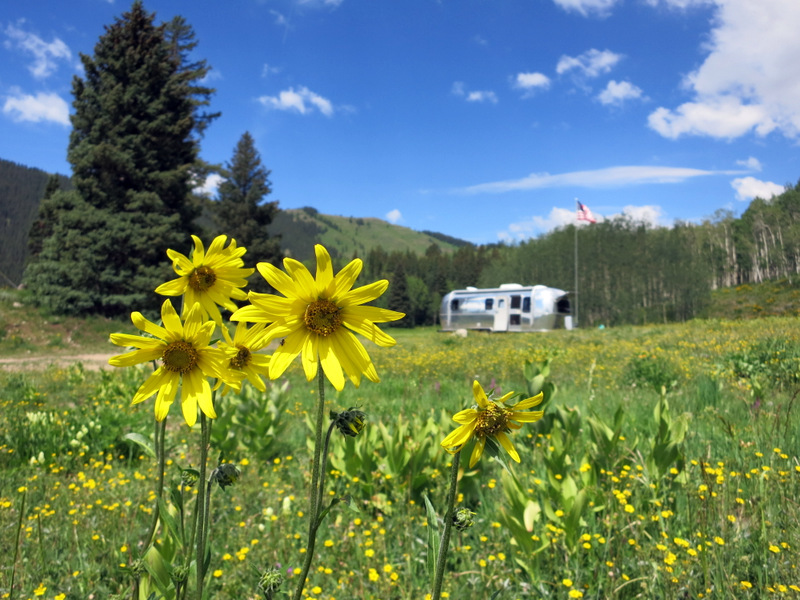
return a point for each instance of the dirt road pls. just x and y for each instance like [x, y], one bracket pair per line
[31, 363]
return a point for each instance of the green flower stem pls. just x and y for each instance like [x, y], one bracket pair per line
[323, 471]
[448, 524]
[16, 544]
[158, 442]
[316, 476]
[205, 435]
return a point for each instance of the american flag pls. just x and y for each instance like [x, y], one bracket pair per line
[584, 214]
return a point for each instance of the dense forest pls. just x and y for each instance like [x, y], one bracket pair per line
[21, 189]
[628, 272]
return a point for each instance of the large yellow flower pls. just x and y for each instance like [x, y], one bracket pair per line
[492, 419]
[317, 317]
[186, 361]
[211, 278]
[242, 353]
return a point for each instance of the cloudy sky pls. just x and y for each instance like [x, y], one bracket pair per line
[481, 119]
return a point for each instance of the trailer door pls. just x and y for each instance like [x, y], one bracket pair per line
[501, 315]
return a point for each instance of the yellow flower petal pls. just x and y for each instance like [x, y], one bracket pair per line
[477, 451]
[479, 394]
[506, 443]
[459, 436]
[529, 402]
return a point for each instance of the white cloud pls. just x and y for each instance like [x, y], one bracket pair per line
[748, 188]
[680, 4]
[722, 117]
[531, 82]
[752, 163]
[45, 55]
[618, 92]
[560, 217]
[394, 216]
[210, 185]
[611, 176]
[319, 3]
[268, 70]
[482, 96]
[587, 7]
[648, 214]
[591, 63]
[303, 101]
[280, 18]
[41, 107]
[750, 80]
[459, 89]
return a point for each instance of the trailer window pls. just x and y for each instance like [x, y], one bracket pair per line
[526, 304]
[489, 303]
[515, 301]
[453, 305]
[514, 319]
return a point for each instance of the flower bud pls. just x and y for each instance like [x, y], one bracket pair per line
[189, 477]
[271, 580]
[349, 422]
[225, 474]
[462, 518]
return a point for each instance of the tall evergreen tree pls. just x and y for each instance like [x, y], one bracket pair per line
[242, 212]
[399, 298]
[132, 150]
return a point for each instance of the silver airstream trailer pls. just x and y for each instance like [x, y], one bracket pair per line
[511, 307]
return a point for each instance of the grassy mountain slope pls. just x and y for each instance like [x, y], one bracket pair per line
[301, 228]
[778, 297]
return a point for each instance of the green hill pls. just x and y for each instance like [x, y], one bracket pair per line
[345, 237]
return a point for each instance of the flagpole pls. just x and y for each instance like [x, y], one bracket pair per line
[575, 303]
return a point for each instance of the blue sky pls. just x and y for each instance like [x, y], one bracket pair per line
[480, 119]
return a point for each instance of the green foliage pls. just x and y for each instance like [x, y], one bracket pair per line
[131, 150]
[666, 446]
[652, 371]
[40, 434]
[773, 362]
[252, 424]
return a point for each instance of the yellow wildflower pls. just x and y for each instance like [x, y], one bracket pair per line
[491, 419]
[317, 316]
[186, 361]
[211, 278]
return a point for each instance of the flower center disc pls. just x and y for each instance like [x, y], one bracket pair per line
[242, 358]
[322, 317]
[492, 421]
[201, 279]
[180, 357]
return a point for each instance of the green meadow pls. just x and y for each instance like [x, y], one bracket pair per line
[666, 466]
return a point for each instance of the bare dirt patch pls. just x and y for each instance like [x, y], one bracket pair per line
[93, 362]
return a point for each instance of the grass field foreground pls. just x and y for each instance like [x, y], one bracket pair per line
[666, 466]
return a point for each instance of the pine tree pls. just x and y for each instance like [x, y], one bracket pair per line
[399, 298]
[132, 150]
[241, 211]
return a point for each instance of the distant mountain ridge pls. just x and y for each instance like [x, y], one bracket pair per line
[22, 188]
[345, 237]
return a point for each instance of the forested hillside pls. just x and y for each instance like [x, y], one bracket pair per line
[628, 272]
[21, 189]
